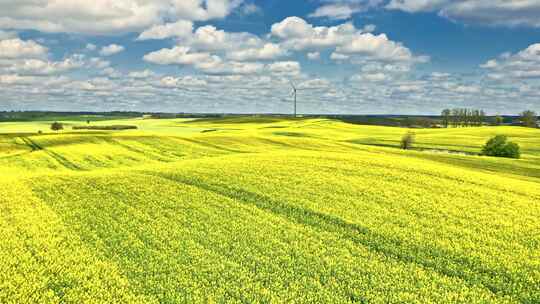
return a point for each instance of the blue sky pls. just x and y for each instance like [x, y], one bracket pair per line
[348, 56]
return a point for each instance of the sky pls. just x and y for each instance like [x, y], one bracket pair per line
[242, 56]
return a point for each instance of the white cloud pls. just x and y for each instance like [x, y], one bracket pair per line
[105, 16]
[299, 35]
[316, 83]
[43, 67]
[14, 79]
[142, 74]
[336, 11]
[111, 50]
[369, 28]
[182, 82]
[376, 46]
[98, 63]
[370, 77]
[111, 73]
[495, 12]
[267, 52]
[180, 28]
[522, 65]
[177, 55]
[488, 12]
[17, 48]
[292, 27]
[314, 56]
[91, 47]
[209, 38]
[346, 40]
[203, 61]
[202, 10]
[290, 68]
[414, 6]
[217, 66]
[439, 75]
[250, 9]
[339, 57]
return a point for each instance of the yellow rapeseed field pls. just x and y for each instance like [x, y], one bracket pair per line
[266, 210]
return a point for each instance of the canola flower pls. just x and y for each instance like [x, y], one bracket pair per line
[256, 213]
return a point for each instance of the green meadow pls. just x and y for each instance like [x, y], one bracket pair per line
[266, 210]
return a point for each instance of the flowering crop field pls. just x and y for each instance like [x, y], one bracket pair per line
[266, 210]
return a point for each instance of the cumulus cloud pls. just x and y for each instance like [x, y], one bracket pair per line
[336, 11]
[111, 50]
[268, 51]
[290, 68]
[17, 48]
[250, 9]
[488, 12]
[111, 73]
[339, 57]
[177, 55]
[225, 68]
[314, 55]
[142, 74]
[346, 40]
[43, 67]
[103, 17]
[182, 82]
[414, 6]
[180, 28]
[377, 46]
[209, 38]
[213, 64]
[202, 61]
[91, 47]
[371, 77]
[523, 65]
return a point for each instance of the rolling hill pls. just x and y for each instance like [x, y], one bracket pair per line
[266, 210]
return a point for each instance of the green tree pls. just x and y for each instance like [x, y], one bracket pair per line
[56, 126]
[446, 114]
[499, 120]
[408, 140]
[499, 146]
[529, 119]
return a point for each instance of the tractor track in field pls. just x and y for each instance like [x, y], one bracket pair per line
[32, 144]
[360, 235]
[59, 158]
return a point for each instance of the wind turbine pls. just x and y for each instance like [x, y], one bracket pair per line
[294, 93]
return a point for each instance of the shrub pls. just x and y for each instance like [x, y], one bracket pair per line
[56, 126]
[407, 141]
[499, 146]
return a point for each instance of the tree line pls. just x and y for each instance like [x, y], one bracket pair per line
[463, 117]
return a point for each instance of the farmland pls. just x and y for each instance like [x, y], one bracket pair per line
[266, 210]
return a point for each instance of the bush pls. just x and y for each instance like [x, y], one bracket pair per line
[56, 126]
[499, 146]
[407, 141]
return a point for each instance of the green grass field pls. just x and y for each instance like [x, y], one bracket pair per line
[266, 210]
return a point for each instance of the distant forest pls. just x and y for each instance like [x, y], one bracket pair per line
[454, 117]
